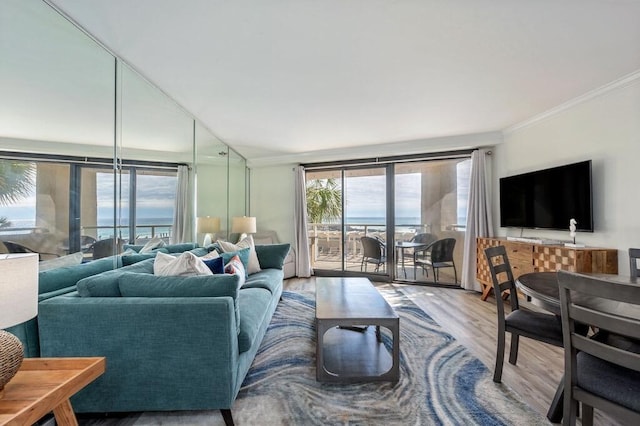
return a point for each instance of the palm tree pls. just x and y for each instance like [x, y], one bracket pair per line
[324, 200]
[16, 182]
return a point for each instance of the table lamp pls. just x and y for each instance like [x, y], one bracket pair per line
[243, 225]
[208, 225]
[18, 303]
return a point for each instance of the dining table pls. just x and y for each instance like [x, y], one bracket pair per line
[401, 246]
[542, 289]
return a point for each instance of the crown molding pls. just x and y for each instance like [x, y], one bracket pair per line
[624, 81]
[419, 146]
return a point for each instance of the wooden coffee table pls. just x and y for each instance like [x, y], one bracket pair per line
[344, 355]
[43, 385]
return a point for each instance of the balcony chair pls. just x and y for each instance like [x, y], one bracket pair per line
[374, 252]
[438, 254]
[13, 247]
[520, 322]
[422, 254]
[106, 247]
[601, 371]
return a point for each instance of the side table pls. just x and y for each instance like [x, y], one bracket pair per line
[43, 385]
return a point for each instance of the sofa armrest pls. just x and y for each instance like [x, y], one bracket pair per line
[187, 344]
[289, 266]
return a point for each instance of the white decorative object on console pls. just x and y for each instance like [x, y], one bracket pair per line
[572, 234]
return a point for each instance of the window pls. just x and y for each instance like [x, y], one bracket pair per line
[59, 206]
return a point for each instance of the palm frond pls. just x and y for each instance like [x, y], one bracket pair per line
[17, 180]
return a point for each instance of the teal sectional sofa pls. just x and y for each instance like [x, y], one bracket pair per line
[171, 343]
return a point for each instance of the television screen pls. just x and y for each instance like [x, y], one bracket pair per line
[547, 199]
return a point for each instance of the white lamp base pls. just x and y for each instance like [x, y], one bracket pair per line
[207, 240]
[574, 245]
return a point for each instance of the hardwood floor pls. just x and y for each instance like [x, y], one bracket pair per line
[473, 323]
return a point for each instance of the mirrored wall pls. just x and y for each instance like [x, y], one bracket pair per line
[94, 156]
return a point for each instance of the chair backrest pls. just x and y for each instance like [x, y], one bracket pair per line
[634, 255]
[372, 247]
[424, 238]
[596, 301]
[17, 248]
[86, 239]
[442, 250]
[107, 247]
[502, 277]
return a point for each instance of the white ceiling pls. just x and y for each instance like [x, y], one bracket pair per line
[293, 77]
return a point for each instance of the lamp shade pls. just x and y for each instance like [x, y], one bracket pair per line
[208, 224]
[244, 225]
[18, 288]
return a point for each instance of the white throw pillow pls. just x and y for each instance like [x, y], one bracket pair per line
[187, 264]
[211, 255]
[154, 243]
[253, 265]
[58, 262]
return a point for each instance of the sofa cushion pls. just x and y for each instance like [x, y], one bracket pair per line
[254, 305]
[66, 276]
[200, 251]
[186, 264]
[268, 279]
[145, 285]
[106, 284]
[58, 262]
[242, 254]
[252, 265]
[171, 248]
[134, 284]
[130, 259]
[154, 243]
[272, 255]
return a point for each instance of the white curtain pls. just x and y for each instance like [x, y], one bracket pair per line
[303, 260]
[182, 216]
[479, 216]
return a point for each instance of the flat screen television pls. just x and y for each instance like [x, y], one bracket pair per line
[549, 198]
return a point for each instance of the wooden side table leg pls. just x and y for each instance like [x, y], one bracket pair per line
[486, 291]
[64, 414]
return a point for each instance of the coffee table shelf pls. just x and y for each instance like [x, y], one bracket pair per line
[346, 356]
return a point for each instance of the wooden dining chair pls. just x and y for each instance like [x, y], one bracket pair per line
[602, 371]
[519, 322]
[634, 255]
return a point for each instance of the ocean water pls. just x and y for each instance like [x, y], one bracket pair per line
[105, 229]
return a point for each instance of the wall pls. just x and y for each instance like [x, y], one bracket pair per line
[605, 128]
[272, 200]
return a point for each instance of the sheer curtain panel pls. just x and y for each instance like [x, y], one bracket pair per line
[182, 230]
[303, 258]
[479, 216]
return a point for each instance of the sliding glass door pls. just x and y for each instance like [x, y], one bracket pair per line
[431, 207]
[344, 206]
[403, 220]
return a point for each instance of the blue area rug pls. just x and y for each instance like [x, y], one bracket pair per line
[441, 382]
